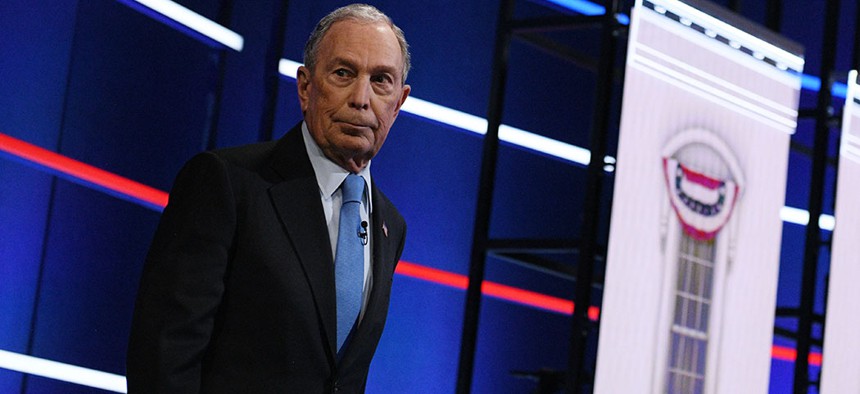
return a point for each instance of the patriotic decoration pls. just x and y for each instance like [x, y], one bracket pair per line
[702, 203]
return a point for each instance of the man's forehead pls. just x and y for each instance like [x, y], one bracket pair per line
[350, 23]
[343, 47]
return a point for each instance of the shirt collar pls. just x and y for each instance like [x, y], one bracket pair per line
[328, 173]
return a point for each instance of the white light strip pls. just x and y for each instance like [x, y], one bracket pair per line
[801, 217]
[532, 141]
[196, 22]
[60, 371]
[288, 68]
[545, 145]
[449, 116]
[752, 42]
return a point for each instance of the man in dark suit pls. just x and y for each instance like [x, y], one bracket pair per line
[240, 292]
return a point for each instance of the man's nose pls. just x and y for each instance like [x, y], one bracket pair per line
[360, 95]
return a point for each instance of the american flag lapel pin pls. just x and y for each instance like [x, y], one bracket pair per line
[384, 229]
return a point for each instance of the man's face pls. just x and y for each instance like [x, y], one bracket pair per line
[353, 95]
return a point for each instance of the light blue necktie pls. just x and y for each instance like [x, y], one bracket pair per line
[349, 258]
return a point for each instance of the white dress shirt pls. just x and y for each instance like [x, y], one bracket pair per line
[329, 178]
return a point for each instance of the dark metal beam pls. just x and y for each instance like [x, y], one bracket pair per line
[773, 15]
[795, 312]
[833, 119]
[735, 5]
[481, 230]
[538, 263]
[791, 334]
[807, 151]
[562, 51]
[534, 245]
[577, 377]
[564, 22]
[855, 54]
[816, 197]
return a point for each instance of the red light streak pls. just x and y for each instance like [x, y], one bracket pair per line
[492, 289]
[83, 172]
[788, 354]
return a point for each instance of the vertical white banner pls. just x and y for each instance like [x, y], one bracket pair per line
[710, 102]
[840, 372]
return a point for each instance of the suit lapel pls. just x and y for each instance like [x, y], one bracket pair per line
[384, 247]
[297, 202]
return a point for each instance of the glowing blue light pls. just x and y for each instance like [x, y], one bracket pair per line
[588, 8]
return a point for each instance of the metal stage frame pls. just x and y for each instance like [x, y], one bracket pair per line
[590, 253]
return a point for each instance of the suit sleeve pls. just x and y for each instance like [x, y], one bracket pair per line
[183, 281]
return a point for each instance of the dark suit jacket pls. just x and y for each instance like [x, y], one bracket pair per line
[237, 294]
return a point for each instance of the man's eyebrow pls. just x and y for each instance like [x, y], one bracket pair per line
[381, 68]
[341, 61]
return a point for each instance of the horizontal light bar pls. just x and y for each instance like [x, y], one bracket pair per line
[801, 217]
[588, 8]
[190, 20]
[788, 354]
[813, 83]
[84, 174]
[61, 371]
[288, 68]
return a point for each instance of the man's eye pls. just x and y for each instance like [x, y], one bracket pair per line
[381, 79]
[341, 73]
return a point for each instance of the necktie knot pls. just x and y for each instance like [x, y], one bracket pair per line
[352, 188]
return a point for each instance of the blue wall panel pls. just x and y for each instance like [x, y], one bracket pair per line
[245, 74]
[34, 67]
[93, 261]
[139, 94]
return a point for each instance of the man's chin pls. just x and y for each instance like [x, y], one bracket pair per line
[355, 144]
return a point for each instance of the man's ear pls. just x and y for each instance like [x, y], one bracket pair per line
[303, 80]
[403, 96]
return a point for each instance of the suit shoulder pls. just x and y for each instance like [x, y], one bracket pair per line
[251, 156]
[236, 164]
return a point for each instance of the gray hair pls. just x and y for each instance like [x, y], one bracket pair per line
[359, 12]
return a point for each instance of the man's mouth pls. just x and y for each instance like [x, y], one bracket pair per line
[356, 125]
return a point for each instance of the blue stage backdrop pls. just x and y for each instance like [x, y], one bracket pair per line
[109, 85]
